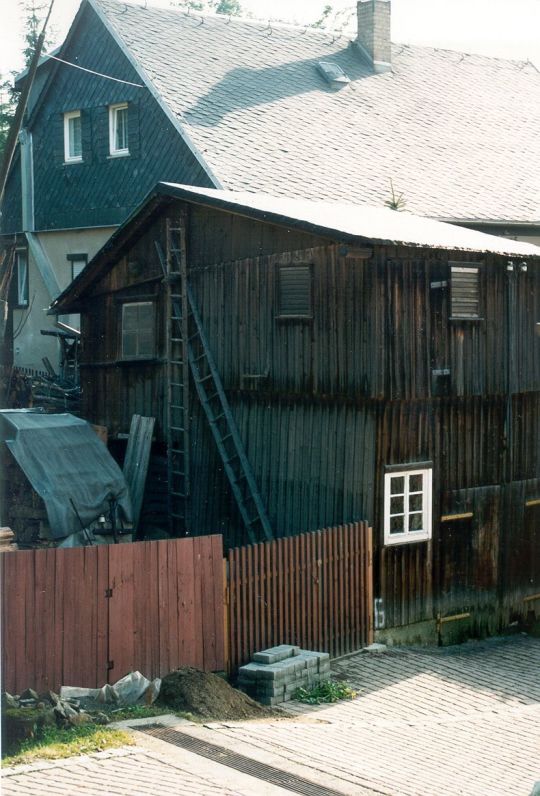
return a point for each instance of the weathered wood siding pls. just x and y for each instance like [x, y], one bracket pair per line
[325, 403]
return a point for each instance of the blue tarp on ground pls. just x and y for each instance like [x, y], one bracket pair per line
[64, 459]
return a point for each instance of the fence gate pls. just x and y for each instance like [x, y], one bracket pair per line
[89, 615]
[314, 590]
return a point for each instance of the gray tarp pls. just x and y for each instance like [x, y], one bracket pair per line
[63, 458]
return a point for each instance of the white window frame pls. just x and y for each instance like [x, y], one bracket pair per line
[113, 125]
[69, 157]
[408, 536]
[78, 264]
[137, 355]
[22, 286]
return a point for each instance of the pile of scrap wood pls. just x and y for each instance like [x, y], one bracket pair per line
[7, 540]
[55, 393]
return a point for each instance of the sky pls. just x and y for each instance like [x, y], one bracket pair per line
[506, 28]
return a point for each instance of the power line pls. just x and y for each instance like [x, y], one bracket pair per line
[92, 72]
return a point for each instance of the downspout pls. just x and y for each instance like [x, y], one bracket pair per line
[507, 474]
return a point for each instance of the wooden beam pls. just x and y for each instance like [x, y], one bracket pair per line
[466, 515]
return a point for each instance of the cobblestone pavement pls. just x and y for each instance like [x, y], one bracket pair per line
[461, 721]
[155, 770]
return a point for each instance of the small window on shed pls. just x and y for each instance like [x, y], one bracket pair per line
[138, 337]
[465, 292]
[295, 289]
[407, 504]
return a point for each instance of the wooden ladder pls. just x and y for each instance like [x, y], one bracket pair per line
[217, 409]
[178, 443]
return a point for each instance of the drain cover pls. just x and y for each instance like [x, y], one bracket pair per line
[219, 754]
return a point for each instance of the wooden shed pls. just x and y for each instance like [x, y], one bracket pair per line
[311, 364]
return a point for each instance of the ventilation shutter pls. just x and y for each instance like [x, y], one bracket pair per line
[465, 292]
[295, 291]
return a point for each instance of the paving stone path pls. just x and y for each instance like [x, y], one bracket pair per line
[461, 721]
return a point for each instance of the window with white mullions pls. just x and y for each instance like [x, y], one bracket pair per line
[407, 506]
[72, 137]
[118, 129]
[138, 337]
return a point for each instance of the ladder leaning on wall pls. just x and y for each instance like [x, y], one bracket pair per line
[188, 351]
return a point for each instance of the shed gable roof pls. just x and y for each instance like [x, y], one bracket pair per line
[457, 134]
[335, 221]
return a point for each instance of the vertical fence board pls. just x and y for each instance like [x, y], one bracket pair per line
[186, 602]
[316, 591]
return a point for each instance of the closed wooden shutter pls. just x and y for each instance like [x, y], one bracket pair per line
[295, 291]
[465, 291]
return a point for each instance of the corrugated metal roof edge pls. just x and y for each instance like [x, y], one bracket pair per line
[217, 198]
[164, 192]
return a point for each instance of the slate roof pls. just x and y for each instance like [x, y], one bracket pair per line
[458, 135]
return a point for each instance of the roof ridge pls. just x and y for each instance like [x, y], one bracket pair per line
[271, 25]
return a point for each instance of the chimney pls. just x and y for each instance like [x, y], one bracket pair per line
[373, 38]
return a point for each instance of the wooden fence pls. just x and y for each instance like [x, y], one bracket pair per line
[314, 590]
[87, 616]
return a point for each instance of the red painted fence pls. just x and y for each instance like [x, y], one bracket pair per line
[87, 616]
[90, 615]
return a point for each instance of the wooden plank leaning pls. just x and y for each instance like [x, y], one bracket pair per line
[136, 461]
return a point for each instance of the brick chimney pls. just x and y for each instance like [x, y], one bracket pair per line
[373, 37]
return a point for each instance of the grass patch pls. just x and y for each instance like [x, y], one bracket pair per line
[53, 744]
[324, 693]
[136, 712]
[147, 712]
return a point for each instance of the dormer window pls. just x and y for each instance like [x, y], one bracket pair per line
[72, 137]
[118, 129]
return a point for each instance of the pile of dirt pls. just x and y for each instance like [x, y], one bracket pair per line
[208, 696]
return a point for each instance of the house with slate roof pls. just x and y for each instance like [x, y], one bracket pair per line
[139, 94]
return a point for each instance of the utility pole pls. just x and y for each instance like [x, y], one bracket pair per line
[21, 107]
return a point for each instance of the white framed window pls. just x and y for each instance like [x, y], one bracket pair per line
[407, 505]
[138, 337]
[21, 265]
[72, 137]
[118, 129]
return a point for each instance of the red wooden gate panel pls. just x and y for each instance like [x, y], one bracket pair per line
[53, 622]
[85, 616]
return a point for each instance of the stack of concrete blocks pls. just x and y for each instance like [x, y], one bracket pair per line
[276, 673]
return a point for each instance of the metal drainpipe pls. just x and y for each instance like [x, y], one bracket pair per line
[507, 475]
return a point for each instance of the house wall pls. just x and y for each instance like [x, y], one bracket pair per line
[30, 346]
[83, 202]
[102, 190]
[341, 396]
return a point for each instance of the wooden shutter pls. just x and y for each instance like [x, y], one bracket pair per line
[465, 291]
[295, 291]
